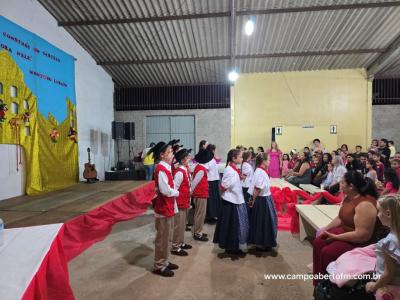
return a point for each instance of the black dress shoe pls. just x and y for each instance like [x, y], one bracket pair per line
[201, 238]
[179, 252]
[165, 273]
[188, 228]
[186, 246]
[204, 234]
[172, 266]
[234, 252]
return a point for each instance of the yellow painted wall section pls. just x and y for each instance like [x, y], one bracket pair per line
[335, 97]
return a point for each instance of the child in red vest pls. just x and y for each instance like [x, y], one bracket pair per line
[164, 208]
[182, 184]
[199, 191]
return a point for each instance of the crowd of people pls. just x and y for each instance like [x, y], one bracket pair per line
[241, 205]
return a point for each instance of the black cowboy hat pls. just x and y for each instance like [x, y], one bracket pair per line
[176, 147]
[181, 154]
[173, 142]
[204, 156]
[158, 149]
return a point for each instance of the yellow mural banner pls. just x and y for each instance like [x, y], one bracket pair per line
[51, 150]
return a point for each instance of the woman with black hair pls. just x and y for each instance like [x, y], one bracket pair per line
[352, 163]
[356, 225]
[391, 182]
[301, 174]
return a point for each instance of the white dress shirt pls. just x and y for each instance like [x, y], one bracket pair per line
[178, 178]
[261, 181]
[247, 170]
[231, 182]
[165, 189]
[212, 172]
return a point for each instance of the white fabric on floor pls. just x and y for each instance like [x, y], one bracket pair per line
[21, 256]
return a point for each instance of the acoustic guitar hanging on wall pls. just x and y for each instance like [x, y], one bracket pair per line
[90, 173]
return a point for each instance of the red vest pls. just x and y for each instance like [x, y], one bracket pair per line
[183, 200]
[201, 190]
[164, 205]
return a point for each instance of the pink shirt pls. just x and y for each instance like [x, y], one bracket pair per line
[390, 187]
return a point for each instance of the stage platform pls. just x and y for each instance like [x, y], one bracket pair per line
[62, 205]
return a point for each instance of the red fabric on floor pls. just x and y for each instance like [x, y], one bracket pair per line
[85, 230]
[51, 280]
[290, 220]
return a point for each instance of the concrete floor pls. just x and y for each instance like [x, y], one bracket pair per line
[120, 268]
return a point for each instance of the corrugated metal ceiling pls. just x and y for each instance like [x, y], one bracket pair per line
[195, 48]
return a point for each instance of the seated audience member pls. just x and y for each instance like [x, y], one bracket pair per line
[317, 147]
[374, 146]
[358, 152]
[302, 173]
[326, 158]
[338, 171]
[363, 164]
[369, 154]
[395, 165]
[307, 151]
[352, 163]
[345, 149]
[379, 165]
[293, 159]
[343, 155]
[387, 250]
[391, 183]
[329, 178]
[384, 151]
[371, 170]
[392, 149]
[260, 149]
[382, 258]
[356, 225]
[318, 171]
[397, 155]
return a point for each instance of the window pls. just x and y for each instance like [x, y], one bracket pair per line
[26, 105]
[14, 108]
[13, 91]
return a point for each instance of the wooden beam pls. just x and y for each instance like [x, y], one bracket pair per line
[247, 56]
[228, 14]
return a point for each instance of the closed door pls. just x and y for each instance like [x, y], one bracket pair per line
[167, 128]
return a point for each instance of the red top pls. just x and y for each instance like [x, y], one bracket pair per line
[201, 189]
[183, 200]
[348, 210]
[164, 205]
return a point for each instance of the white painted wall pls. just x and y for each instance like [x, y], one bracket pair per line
[12, 181]
[94, 87]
